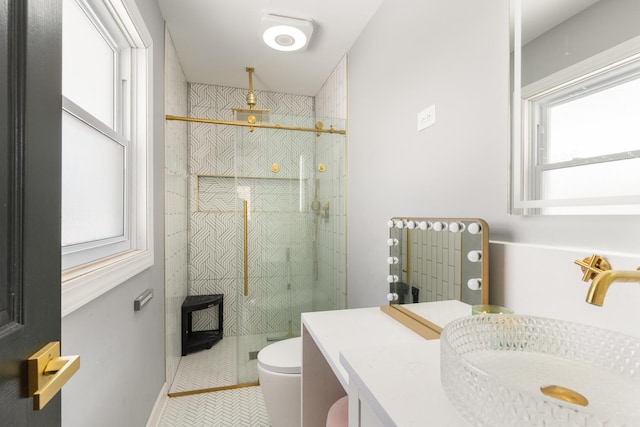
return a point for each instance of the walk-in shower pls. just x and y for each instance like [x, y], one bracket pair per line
[267, 218]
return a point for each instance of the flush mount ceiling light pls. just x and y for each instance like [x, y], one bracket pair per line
[284, 33]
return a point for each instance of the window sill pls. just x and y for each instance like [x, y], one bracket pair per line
[82, 285]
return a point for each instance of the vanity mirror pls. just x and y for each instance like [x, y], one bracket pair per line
[576, 98]
[438, 259]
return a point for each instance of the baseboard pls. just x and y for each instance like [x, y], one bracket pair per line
[158, 408]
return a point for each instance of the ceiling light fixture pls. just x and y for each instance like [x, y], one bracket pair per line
[284, 33]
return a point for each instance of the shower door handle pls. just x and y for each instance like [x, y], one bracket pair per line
[245, 207]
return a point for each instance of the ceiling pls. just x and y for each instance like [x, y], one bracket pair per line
[216, 39]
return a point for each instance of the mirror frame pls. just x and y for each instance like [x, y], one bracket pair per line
[519, 204]
[418, 323]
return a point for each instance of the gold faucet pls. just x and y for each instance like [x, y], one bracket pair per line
[598, 269]
[601, 283]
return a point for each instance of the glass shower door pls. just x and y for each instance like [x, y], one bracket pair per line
[274, 231]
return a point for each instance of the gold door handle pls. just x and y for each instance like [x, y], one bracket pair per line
[245, 205]
[48, 372]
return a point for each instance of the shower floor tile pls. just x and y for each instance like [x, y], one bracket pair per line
[228, 408]
[215, 367]
[220, 366]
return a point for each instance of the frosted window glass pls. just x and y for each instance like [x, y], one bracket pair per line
[88, 65]
[602, 123]
[93, 168]
[597, 180]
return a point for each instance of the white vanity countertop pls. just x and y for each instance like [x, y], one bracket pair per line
[397, 370]
[441, 312]
[402, 385]
[336, 330]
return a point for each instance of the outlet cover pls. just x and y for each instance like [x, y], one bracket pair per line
[426, 117]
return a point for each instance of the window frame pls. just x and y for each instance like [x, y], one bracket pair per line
[525, 179]
[540, 105]
[84, 283]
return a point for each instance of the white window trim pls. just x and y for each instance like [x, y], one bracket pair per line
[86, 283]
[521, 200]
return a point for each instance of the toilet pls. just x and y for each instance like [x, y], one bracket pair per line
[279, 372]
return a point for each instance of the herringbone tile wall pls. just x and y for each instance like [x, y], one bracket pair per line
[279, 223]
[176, 204]
[331, 150]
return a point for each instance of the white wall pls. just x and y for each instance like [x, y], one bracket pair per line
[544, 281]
[122, 351]
[600, 27]
[455, 54]
[413, 54]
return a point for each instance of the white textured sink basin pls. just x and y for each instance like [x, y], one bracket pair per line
[494, 368]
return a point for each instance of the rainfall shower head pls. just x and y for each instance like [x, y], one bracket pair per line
[251, 114]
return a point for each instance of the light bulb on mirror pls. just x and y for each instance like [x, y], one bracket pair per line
[411, 225]
[392, 260]
[392, 278]
[392, 297]
[424, 225]
[474, 284]
[391, 223]
[439, 226]
[456, 227]
[399, 223]
[474, 256]
[475, 228]
[392, 242]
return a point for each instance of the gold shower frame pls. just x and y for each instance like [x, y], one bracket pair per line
[251, 124]
[318, 129]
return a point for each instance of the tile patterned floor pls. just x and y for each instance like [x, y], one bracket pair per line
[207, 368]
[219, 366]
[243, 407]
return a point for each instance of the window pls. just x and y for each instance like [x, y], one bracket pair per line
[584, 137]
[106, 148]
[580, 147]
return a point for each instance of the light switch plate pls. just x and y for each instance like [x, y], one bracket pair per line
[426, 117]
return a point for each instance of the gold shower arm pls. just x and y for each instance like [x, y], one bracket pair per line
[251, 97]
[257, 125]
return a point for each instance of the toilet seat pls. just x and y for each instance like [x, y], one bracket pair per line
[284, 357]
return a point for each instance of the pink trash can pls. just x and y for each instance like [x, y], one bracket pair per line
[338, 415]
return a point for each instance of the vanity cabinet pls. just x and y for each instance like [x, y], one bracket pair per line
[391, 374]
